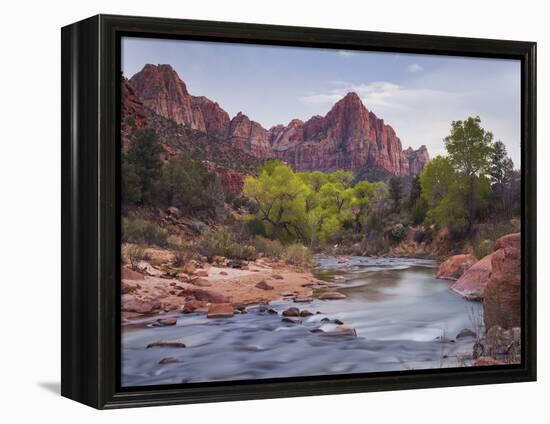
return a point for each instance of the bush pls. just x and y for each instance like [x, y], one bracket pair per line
[398, 232]
[222, 243]
[182, 255]
[135, 254]
[425, 236]
[270, 248]
[141, 231]
[297, 254]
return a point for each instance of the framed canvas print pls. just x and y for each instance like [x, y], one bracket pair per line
[254, 211]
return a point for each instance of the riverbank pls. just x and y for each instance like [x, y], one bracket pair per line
[229, 286]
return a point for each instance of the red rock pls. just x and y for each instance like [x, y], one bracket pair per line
[131, 303]
[349, 137]
[291, 312]
[128, 287]
[249, 136]
[332, 296]
[485, 361]
[167, 321]
[510, 240]
[195, 305]
[455, 266]
[502, 295]
[264, 286]
[471, 284]
[166, 343]
[205, 295]
[201, 273]
[220, 310]
[130, 274]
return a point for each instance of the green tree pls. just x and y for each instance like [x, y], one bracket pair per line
[141, 167]
[469, 148]
[280, 196]
[396, 192]
[362, 200]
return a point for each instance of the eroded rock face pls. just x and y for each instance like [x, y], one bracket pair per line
[502, 295]
[249, 136]
[348, 137]
[161, 89]
[455, 266]
[471, 284]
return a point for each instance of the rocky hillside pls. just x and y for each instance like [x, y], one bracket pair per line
[348, 137]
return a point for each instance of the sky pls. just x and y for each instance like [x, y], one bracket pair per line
[418, 95]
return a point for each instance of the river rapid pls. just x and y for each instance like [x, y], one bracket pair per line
[405, 319]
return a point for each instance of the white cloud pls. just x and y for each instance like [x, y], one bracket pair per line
[414, 67]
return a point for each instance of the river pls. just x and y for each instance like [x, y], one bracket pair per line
[404, 317]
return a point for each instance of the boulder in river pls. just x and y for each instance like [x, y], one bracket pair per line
[332, 295]
[455, 266]
[292, 320]
[465, 333]
[220, 310]
[471, 284]
[341, 330]
[305, 313]
[291, 312]
[166, 343]
[167, 321]
[168, 360]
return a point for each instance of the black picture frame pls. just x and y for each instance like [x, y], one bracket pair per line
[91, 218]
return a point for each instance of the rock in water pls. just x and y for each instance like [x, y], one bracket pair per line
[264, 286]
[466, 333]
[471, 284]
[166, 343]
[341, 330]
[455, 266]
[220, 310]
[331, 296]
[168, 360]
[291, 312]
[167, 321]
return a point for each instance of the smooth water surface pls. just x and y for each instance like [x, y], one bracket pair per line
[405, 319]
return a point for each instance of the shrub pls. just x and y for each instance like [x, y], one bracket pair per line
[297, 254]
[270, 248]
[141, 231]
[182, 255]
[222, 243]
[135, 253]
[398, 232]
[422, 235]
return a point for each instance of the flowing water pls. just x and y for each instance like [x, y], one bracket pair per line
[404, 317]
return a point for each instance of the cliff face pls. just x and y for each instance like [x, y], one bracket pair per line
[348, 137]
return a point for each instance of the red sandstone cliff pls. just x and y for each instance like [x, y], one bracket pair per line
[348, 137]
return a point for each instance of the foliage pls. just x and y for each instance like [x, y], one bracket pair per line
[398, 232]
[396, 192]
[280, 196]
[222, 243]
[182, 254]
[135, 253]
[267, 247]
[142, 231]
[469, 148]
[297, 254]
[141, 168]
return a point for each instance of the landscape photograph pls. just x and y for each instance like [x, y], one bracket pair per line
[299, 212]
